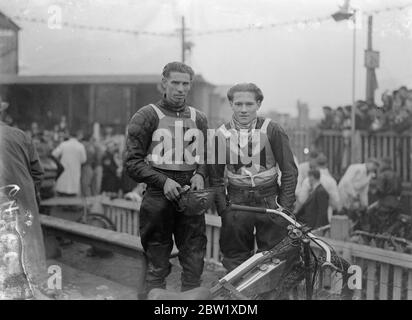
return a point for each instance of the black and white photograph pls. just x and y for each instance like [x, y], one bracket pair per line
[220, 151]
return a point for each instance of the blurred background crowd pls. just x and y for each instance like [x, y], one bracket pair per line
[394, 113]
[101, 173]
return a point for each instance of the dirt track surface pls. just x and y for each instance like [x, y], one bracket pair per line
[125, 270]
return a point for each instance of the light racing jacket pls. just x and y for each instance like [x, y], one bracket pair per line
[274, 155]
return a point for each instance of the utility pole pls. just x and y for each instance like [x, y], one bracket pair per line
[371, 62]
[183, 39]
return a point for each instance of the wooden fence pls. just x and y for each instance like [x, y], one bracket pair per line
[386, 274]
[377, 145]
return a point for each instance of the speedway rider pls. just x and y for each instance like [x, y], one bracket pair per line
[255, 151]
[146, 160]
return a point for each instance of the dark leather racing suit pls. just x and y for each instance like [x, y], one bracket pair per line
[159, 219]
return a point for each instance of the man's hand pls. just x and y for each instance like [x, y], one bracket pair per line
[171, 189]
[197, 182]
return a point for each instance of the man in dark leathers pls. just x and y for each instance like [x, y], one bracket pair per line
[146, 160]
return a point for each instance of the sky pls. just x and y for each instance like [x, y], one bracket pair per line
[310, 63]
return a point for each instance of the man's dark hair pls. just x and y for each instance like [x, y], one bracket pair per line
[314, 173]
[245, 87]
[177, 67]
[373, 160]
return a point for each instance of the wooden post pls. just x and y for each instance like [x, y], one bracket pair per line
[70, 106]
[92, 103]
[339, 228]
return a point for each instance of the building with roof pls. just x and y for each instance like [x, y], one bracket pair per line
[9, 44]
[85, 99]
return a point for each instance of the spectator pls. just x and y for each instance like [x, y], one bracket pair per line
[386, 209]
[314, 211]
[354, 185]
[388, 185]
[363, 121]
[327, 181]
[303, 169]
[338, 119]
[72, 155]
[20, 169]
[87, 186]
[111, 173]
[328, 120]
[63, 124]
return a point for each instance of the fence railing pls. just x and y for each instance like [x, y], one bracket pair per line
[377, 145]
[386, 274]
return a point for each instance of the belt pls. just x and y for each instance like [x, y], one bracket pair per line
[261, 191]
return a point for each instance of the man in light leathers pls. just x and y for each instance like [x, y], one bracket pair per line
[72, 154]
[149, 158]
[256, 149]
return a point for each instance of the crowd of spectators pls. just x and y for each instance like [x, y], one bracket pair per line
[102, 173]
[394, 114]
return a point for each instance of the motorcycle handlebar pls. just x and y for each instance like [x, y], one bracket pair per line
[292, 221]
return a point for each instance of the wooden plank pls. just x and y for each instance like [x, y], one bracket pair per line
[356, 250]
[209, 242]
[383, 282]
[106, 238]
[132, 219]
[216, 247]
[409, 166]
[123, 219]
[137, 223]
[378, 147]
[120, 203]
[370, 282]
[398, 156]
[68, 201]
[391, 151]
[339, 227]
[128, 222]
[405, 156]
[385, 146]
[409, 294]
[397, 283]
[116, 219]
[369, 253]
